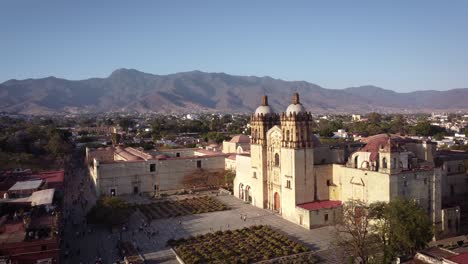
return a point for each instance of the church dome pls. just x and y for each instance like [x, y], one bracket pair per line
[296, 106]
[264, 108]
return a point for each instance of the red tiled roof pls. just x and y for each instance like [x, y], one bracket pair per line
[49, 176]
[317, 205]
[461, 259]
[389, 143]
[14, 227]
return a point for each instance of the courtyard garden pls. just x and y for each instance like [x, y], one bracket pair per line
[247, 245]
[195, 205]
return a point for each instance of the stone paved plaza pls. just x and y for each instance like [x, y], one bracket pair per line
[317, 240]
[102, 242]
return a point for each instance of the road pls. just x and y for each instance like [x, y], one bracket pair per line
[83, 243]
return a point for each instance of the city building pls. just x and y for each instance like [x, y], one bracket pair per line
[125, 170]
[29, 224]
[289, 172]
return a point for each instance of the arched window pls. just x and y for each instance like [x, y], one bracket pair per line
[356, 161]
[277, 160]
[287, 135]
[384, 163]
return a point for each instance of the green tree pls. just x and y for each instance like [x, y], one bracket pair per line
[109, 211]
[126, 123]
[229, 176]
[57, 146]
[374, 118]
[403, 228]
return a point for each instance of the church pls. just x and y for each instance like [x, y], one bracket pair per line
[289, 172]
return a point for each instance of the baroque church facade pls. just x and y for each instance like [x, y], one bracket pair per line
[279, 174]
[290, 173]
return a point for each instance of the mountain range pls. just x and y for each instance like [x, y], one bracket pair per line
[128, 90]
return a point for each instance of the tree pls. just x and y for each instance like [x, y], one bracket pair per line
[116, 138]
[109, 211]
[403, 228]
[374, 118]
[58, 146]
[353, 232]
[126, 123]
[380, 232]
[229, 176]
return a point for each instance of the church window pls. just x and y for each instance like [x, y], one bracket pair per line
[384, 163]
[325, 217]
[255, 175]
[356, 162]
[288, 184]
[277, 160]
[287, 135]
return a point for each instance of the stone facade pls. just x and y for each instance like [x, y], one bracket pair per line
[117, 171]
[290, 173]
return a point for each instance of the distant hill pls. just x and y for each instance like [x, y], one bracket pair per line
[134, 91]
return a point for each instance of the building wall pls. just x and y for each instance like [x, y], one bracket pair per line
[258, 166]
[245, 184]
[454, 181]
[230, 164]
[169, 174]
[359, 184]
[450, 222]
[182, 152]
[324, 182]
[325, 155]
[317, 218]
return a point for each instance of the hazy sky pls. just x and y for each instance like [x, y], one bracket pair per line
[400, 45]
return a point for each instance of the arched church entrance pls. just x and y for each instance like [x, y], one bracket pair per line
[241, 191]
[276, 202]
[248, 194]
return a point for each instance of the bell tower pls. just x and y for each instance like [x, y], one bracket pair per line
[260, 122]
[297, 157]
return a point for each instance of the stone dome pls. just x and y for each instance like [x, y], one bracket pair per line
[296, 106]
[264, 108]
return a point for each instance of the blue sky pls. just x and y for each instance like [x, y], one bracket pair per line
[398, 45]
